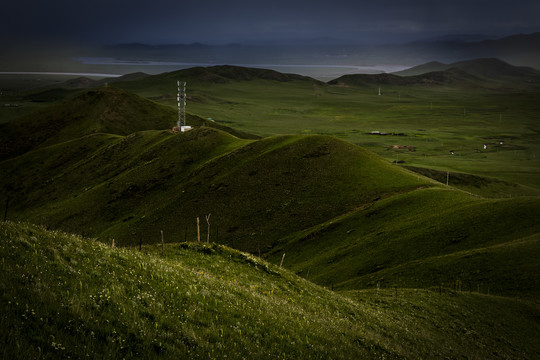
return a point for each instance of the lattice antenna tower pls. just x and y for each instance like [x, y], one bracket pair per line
[181, 104]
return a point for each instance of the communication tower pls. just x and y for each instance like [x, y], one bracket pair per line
[181, 98]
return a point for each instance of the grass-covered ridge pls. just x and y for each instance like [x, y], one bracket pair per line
[104, 110]
[257, 191]
[65, 296]
[456, 110]
[343, 215]
[423, 264]
[421, 239]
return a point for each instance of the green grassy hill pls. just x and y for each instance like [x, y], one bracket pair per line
[103, 164]
[434, 114]
[478, 73]
[488, 68]
[310, 196]
[103, 110]
[423, 239]
[479, 185]
[63, 296]
[257, 191]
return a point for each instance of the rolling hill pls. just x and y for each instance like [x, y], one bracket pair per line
[63, 296]
[257, 191]
[454, 77]
[105, 110]
[472, 73]
[314, 198]
[424, 230]
[489, 68]
[421, 267]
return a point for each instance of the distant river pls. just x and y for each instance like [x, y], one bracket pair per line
[57, 73]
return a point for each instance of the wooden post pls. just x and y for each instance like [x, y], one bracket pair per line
[283, 257]
[198, 231]
[112, 243]
[208, 232]
[162, 244]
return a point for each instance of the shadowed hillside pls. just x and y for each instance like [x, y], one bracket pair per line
[474, 73]
[488, 68]
[103, 110]
[229, 73]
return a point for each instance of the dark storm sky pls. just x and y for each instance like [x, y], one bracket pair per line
[211, 21]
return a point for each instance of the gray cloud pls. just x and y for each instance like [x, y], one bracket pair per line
[164, 21]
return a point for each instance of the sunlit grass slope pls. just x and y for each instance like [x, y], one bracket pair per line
[63, 296]
[425, 238]
[132, 187]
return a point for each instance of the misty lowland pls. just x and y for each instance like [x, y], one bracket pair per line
[369, 216]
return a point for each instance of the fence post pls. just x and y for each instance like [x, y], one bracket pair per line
[198, 231]
[208, 233]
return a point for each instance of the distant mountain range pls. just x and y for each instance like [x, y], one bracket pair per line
[491, 67]
[520, 50]
[472, 73]
[488, 72]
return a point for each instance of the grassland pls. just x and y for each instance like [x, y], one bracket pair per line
[64, 296]
[419, 267]
[258, 191]
[435, 118]
[426, 238]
